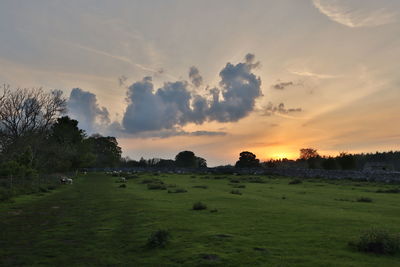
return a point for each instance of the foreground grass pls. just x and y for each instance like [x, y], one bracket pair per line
[96, 223]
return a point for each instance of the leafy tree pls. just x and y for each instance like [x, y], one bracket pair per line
[247, 160]
[346, 161]
[106, 150]
[307, 153]
[201, 162]
[330, 164]
[186, 159]
[65, 149]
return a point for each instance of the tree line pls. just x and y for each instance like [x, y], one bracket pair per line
[36, 137]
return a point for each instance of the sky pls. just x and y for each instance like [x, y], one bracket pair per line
[215, 77]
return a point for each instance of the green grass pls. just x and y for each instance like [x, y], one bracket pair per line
[95, 223]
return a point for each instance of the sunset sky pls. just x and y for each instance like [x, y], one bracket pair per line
[215, 77]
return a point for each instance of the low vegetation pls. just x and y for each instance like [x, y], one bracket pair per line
[272, 224]
[378, 241]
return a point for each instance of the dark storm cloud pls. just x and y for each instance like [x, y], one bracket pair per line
[195, 77]
[83, 106]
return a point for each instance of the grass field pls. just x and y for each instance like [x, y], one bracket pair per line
[94, 222]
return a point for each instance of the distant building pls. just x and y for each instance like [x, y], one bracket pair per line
[378, 166]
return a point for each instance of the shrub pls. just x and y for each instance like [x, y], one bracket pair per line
[200, 186]
[199, 206]
[158, 239]
[364, 199]
[178, 190]
[171, 185]
[235, 181]
[378, 241]
[236, 192]
[214, 210]
[122, 186]
[296, 181]
[156, 186]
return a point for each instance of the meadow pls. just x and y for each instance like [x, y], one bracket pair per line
[248, 221]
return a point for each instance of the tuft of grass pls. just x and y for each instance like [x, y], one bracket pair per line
[159, 239]
[378, 241]
[177, 190]
[238, 185]
[156, 186]
[122, 186]
[236, 192]
[199, 206]
[296, 181]
[364, 199]
[390, 191]
[200, 186]
[151, 181]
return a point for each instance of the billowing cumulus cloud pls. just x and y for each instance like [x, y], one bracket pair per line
[175, 105]
[162, 112]
[195, 77]
[83, 106]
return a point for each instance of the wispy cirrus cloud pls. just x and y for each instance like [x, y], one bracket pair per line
[356, 13]
[313, 74]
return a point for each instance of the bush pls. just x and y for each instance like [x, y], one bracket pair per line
[199, 206]
[200, 186]
[378, 241]
[235, 181]
[159, 239]
[122, 186]
[178, 190]
[156, 186]
[364, 199]
[236, 192]
[296, 181]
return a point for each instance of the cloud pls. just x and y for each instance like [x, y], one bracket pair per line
[272, 109]
[175, 105]
[163, 112]
[356, 13]
[313, 74]
[282, 85]
[195, 77]
[83, 106]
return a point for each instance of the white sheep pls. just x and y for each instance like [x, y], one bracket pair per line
[122, 179]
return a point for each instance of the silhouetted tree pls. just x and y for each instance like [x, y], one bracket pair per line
[186, 159]
[330, 164]
[307, 153]
[247, 160]
[346, 161]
